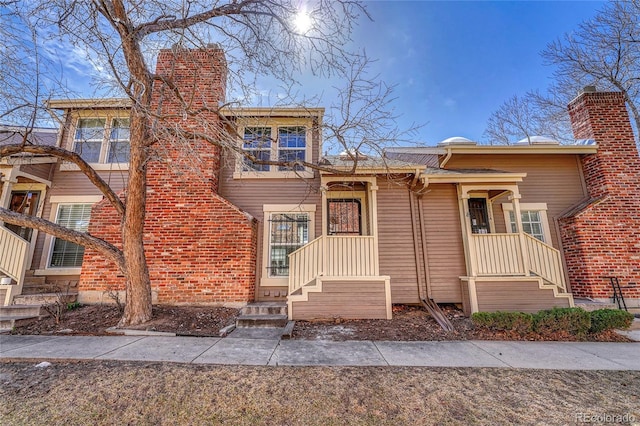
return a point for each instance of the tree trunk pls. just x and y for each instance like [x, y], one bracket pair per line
[138, 287]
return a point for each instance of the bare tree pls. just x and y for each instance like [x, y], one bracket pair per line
[259, 38]
[604, 51]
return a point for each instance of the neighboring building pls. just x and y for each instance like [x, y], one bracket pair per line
[489, 227]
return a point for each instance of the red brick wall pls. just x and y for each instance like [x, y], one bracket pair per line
[602, 238]
[200, 248]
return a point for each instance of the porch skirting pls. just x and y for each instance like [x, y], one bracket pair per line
[367, 297]
[512, 294]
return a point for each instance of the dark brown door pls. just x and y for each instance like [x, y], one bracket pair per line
[479, 215]
[25, 202]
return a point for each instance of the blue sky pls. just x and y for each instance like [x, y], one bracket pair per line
[454, 63]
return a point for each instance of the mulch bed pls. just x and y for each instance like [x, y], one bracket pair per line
[409, 323]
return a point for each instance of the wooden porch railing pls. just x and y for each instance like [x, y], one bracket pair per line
[13, 256]
[545, 261]
[497, 254]
[333, 255]
[507, 255]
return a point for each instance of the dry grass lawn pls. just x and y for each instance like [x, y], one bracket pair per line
[106, 393]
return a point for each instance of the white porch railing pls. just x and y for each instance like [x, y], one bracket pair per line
[13, 256]
[507, 255]
[545, 261]
[333, 255]
[497, 254]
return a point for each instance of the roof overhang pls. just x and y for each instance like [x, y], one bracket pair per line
[462, 177]
[271, 112]
[89, 103]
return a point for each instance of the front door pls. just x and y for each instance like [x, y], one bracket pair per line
[24, 202]
[479, 215]
[345, 216]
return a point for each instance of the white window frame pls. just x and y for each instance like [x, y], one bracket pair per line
[268, 210]
[102, 163]
[274, 171]
[541, 208]
[56, 201]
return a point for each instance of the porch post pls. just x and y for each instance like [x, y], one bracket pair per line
[463, 196]
[373, 210]
[9, 180]
[324, 212]
[515, 200]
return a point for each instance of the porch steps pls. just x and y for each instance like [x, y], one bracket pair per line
[263, 314]
[40, 299]
[592, 305]
[10, 314]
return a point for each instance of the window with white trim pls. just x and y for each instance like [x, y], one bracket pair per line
[287, 233]
[287, 227]
[533, 217]
[277, 143]
[102, 141]
[65, 254]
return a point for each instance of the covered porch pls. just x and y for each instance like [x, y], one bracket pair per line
[23, 190]
[511, 266]
[338, 273]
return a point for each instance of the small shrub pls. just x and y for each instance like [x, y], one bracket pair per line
[575, 321]
[608, 319]
[73, 305]
[507, 321]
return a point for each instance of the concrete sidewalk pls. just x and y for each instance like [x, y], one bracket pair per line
[274, 352]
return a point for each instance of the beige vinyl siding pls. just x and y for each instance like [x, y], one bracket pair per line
[444, 243]
[251, 194]
[516, 296]
[43, 171]
[344, 299]
[71, 183]
[395, 241]
[552, 179]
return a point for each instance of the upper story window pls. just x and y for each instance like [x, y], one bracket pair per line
[279, 144]
[99, 140]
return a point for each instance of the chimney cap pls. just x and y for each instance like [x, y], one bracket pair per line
[589, 89]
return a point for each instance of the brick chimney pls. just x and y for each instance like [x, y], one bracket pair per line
[200, 248]
[200, 77]
[601, 237]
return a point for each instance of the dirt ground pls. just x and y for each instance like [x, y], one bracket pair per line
[409, 323]
[106, 393]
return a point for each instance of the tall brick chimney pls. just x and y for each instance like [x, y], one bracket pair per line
[601, 237]
[200, 248]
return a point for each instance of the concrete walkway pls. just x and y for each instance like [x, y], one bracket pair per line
[274, 352]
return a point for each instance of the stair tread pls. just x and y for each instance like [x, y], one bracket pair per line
[262, 316]
[17, 317]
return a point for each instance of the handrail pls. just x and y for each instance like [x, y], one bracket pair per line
[13, 257]
[507, 255]
[545, 261]
[332, 255]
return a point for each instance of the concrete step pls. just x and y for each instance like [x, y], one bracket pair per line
[7, 323]
[265, 308]
[14, 311]
[40, 288]
[592, 305]
[273, 320]
[43, 298]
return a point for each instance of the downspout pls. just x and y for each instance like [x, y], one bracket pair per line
[447, 158]
[416, 246]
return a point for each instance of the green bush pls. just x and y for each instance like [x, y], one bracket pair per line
[575, 321]
[608, 319]
[515, 321]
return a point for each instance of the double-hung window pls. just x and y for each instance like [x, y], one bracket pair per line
[102, 140]
[257, 143]
[287, 146]
[65, 254]
[533, 217]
